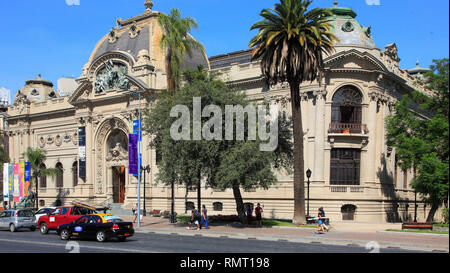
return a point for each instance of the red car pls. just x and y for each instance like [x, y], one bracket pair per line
[61, 216]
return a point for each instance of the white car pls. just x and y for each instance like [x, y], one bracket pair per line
[42, 212]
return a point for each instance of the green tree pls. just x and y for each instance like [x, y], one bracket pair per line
[224, 164]
[421, 141]
[290, 45]
[37, 158]
[177, 42]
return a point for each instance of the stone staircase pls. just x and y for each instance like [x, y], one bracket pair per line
[117, 209]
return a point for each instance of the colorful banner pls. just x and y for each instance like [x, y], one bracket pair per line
[21, 178]
[16, 183]
[11, 181]
[6, 182]
[82, 152]
[27, 185]
[133, 154]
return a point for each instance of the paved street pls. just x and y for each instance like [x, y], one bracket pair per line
[34, 242]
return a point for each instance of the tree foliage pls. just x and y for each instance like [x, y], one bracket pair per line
[421, 142]
[223, 164]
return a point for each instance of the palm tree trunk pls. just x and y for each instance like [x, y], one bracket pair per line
[169, 75]
[299, 179]
[239, 203]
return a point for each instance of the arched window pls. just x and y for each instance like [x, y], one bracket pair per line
[346, 110]
[348, 212]
[75, 173]
[59, 177]
[190, 205]
[218, 206]
[43, 178]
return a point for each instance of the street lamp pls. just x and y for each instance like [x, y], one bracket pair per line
[146, 170]
[139, 158]
[415, 206]
[308, 175]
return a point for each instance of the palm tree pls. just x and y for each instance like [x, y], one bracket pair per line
[177, 42]
[37, 157]
[290, 44]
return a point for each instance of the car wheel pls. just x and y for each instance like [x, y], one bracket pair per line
[43, 228]
[65, 235]
[122, 239]
[32, 228]
[101, 236]
[12, 228]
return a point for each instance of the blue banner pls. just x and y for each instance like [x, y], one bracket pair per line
[27, 184]
[133, 154]
[136, 128]
[82, 152]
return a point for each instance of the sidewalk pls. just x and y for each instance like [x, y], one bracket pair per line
[352, 234]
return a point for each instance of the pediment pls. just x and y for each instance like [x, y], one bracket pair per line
[354, 60]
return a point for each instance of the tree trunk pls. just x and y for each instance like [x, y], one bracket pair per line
[239, 204]
[432, 212]
[186, 198]
[199, 192]
[169, 76]
[299, 179]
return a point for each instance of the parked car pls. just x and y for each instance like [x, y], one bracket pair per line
[43, 211]
[60, 216]
[98, 226]
[16, 219]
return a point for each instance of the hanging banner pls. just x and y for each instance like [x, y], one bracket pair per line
[27, 184]
[82, 152]
[11, 181]
[136, 127]
[6, 182]
[133, 154]
[21, 178]
[16, 183]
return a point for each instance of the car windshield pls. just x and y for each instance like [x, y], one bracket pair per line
[25, 213]
[112, 219]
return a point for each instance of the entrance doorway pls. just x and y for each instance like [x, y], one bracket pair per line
[118, 184]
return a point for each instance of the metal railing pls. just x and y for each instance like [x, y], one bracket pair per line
[348, 128]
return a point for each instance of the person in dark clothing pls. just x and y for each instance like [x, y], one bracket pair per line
[249, 215]
[204, 217]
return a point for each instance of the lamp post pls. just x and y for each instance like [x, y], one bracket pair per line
[36, 174]
[139, 158]
[145, 170]
[308, 175]
[415, 206]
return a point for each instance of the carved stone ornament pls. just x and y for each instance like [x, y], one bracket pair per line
[134, 31]
[58, 140]
[67, 138]
[117, 154]
[112, 37]
[41, 142]
[50, 140]
[112, 76]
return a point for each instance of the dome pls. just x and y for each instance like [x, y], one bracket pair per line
[348, 30]
[138, 35]
[418, 70]
[38, 90]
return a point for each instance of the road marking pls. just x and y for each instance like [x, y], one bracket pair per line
[64, 245]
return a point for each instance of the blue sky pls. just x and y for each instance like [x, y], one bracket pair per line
[56, 39]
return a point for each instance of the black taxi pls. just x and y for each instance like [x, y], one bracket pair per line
[98, 226]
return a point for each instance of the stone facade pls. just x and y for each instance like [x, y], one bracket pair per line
[129, 59]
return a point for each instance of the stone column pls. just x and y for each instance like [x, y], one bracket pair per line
[319, 144]
[371, 163]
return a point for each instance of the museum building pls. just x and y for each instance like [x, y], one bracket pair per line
[354, 173]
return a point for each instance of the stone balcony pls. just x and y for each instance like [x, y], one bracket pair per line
[348, 128]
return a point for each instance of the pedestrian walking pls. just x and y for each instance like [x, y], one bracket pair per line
[319, 222]
[324, 219]
[135, 211]
[195, 219]
[249, 215]
[204, 217]
[258, 213]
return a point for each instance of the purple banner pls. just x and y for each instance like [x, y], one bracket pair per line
[133, 153]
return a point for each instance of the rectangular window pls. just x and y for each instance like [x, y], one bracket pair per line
[405, 179]
[345, 167]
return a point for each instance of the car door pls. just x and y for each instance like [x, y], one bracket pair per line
[79, 226]
[52, 219]
[95, 224]
[63, 217]
[2, 219]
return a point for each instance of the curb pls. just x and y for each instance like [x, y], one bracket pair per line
[413, 233]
